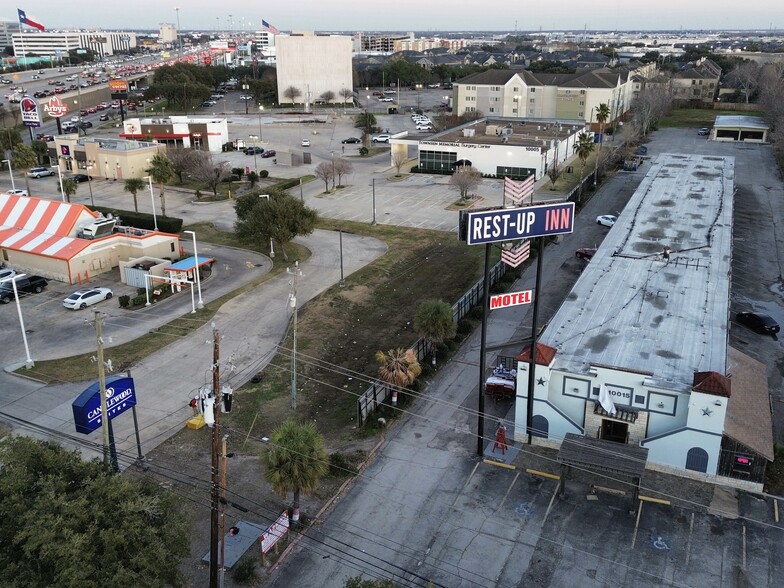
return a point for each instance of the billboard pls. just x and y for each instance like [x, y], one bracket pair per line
[55, 107]
[118, 89]
[511, 224]
[120, 396]
[30, 115]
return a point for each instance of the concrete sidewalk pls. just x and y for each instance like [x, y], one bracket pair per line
[251, 325]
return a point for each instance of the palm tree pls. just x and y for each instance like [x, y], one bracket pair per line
[602, 115]
[69, 188]
[435, 322]
[134, 185]
[399, 368]
[161, 171]
[583, 147]
[24, 157]
[295, 460]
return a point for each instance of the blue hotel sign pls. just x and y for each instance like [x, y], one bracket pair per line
[120, 396]
[511, 224]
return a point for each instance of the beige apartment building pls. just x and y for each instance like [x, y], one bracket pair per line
[313, 64]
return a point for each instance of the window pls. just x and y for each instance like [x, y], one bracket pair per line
[533, 90]
[582, 92]
[532, 101]
[436, 160]
[697, 460]
[492, 109]
[539, 426]
[582, 102]
[581, 114]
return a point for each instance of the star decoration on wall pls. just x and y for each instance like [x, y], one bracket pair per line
[707, 412]
[540, 381]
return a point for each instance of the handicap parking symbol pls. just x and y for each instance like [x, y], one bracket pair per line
[524, 509]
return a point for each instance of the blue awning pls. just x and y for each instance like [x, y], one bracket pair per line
[188, 263]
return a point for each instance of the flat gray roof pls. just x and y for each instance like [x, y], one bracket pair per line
[524, 132]
[633, 310]
[738, 120]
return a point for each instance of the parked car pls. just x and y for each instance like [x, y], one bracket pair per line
[606, 220]
[84, 298]
[47, 138]
[424, 127]
[704, 131]
[40, 172]
[585, 252]
[24, 285]
[7, 272]
[761, 323]
[103, 117]
[269, 153]
[377, 93]
[254, 150]
[305, 142]
[351, 140]
[79, 178]
[208, 103]
[246, 97]
[381, 138]
[641, 150]
[17, 192]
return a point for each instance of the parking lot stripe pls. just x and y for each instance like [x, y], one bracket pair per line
[744, 547]
[688, 543]
[508, 491]
[552, 499]
[471, 475]
[776, 510]
[637, 525]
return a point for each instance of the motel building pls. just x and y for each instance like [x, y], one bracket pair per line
[637, 358]
[498, 146]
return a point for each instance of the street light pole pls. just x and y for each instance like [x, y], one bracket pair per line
[261, 109]
[29, 363]
[90, 185]
[196, 270]
[374, 202]
[179, 39]
[272, 251]
[11, 172]
[60, 176]
[152, 200]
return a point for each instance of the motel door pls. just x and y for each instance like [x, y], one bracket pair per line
[615, 431]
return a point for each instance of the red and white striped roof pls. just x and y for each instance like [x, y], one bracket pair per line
[43, 227]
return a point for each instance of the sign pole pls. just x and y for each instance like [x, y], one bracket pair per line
[140, 457]
[102, 387]
[532, 366]
[480, 426]
[113, 449]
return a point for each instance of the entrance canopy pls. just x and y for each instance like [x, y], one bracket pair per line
[188, 263]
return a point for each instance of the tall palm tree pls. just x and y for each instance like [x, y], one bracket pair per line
[399, 368]
[69, 188]
[435, 322]
[161, 171]
[583, 148]
[134, 185]
[22, 158]
[602, 116]
[295, 460]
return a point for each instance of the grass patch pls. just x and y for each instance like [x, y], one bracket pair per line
[340, 331]
[126, 355]
[697, 117]
[774, 475]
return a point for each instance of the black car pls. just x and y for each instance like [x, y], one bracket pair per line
[761, 323]
[79, 178]
[351, 140]
[85, 124]
[270, 153]
[254, 150]
[27, 285]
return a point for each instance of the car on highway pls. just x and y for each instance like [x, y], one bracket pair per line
[39, 172]
[103, 117]
[305, 142]
[606, 220]
[758, 322]
[386, 99]
[585, 253]
[84, 298]
[78, 117]
[351, 140]
[208, 103]
[17, 192]
[246, 97]
[24, 285]
[381, 138]
[269, 153]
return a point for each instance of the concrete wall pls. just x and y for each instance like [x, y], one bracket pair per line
[315, 64]
[671, 450]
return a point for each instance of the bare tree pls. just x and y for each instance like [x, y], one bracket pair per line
[398, 159]
[650, 105]
[182, 161]
[771, 86]
[744, 77]
[209, 172]
[347, 94]
[553, 172]
[342, 167]
[327, 96]
[292, 93]
[325, 172]
[464, 180]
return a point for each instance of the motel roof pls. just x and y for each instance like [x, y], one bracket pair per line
[632, 307]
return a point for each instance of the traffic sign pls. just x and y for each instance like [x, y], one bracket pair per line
[511, 224]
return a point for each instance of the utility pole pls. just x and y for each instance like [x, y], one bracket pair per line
[297, 273]
[214, 515]
[223, 510]
[102, 387]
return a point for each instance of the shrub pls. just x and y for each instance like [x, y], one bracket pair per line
[464, 327]
[364, 151]
[340, 466]
[263, 173]
[245, 570]
[139, 300]
[124, 300]
[238, 171]
[476, 312]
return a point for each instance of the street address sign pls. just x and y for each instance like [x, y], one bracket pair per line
[510, 299]
[510, 224]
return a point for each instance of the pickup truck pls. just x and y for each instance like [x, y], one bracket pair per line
[26, 285]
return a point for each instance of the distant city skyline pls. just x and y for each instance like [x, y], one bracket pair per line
[408, 15]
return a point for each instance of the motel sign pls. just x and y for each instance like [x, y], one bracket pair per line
[510, 299]
[511, 224]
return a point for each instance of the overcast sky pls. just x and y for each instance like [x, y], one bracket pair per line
[408, 15]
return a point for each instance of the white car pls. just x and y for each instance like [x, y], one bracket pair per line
[424, 127]
[18, 192]
[606, 220]
[305, 142]
[40, 172]
[381, 139]
[84, 298]
[385, 99]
